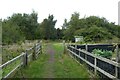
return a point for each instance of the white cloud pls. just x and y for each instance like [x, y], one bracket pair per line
[61, 9]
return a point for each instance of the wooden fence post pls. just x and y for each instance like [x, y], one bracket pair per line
[34, 53]
[86, 47]
[41, 46]
[70, 43]
[25, 59]
[95, 71]
[64, 46]
[75, 45]
[79, 52]
[117, 60]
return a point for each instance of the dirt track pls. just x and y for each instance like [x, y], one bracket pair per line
[49, 69]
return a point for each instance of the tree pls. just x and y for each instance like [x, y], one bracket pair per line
[59, 33]
[65, 24]
[19, 27]
[47, 28]
[92, 28]
[71, 26]
[11, 32]
[27, 23]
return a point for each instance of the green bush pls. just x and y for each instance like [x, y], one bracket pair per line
[103, 53]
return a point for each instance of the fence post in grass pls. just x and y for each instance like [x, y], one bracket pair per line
[95, 62]
[64, 46]
[25, 59]
[118, 54]
[79, 52]
[70, 43]
[86, 47]
[34, 53]
[79, 55]
[117, 60]
[41, 46]
[75, 45]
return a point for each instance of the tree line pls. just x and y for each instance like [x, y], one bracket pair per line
[92, 28]
[20, 27]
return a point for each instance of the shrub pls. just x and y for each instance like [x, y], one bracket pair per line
[102, 53]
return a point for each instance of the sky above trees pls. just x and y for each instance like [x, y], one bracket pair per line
[61, 9]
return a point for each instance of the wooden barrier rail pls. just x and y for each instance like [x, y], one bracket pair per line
[21, 60]
[110, 69]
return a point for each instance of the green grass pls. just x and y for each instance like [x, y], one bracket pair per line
[11, 51]
[10, 67]
[35, 69]
[63, 67]
[66, 67]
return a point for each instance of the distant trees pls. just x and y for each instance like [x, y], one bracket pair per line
[59, 33]
[46, 30]
[91, 28]
[11, 32]
[20, 27]
[27, 23]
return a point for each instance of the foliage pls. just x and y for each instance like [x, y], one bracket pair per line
[46, 30]
[20, 27]
[59, 33]
[11, 32]
[92, 28]
[103, 53]
[27, 23]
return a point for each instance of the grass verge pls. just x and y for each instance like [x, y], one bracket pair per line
[66, 67]
[35, 69]
[63, 67]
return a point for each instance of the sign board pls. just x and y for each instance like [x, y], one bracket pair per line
[78, 38]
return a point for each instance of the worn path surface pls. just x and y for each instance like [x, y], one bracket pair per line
[49, 70]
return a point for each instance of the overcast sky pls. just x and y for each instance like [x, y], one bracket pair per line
[61, 9]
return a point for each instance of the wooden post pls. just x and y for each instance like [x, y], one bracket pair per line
[95, 71]
[117, 52]
[25, 59]
[70, 43]
[34, 53]
[41, 46]
[75, 45]
[79, 52]
[79, 56]
[64, 46]
[86, 47]
[117, 60]
[116, 72]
